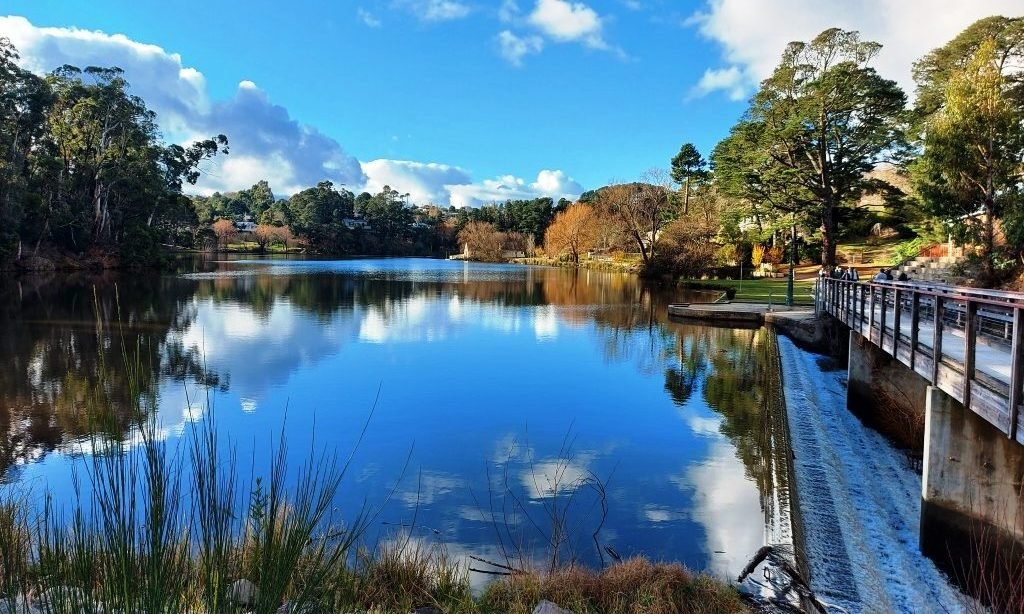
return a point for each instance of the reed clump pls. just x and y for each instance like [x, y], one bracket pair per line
[633, 585]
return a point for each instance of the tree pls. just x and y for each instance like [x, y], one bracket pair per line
[813, 131]
[572, 232]
[688, 167]
[259, 198]
[482, 241]
[528, 216]
[972, 110]
[388, 215]
[264, 235]
[24, 102]
[225, 231]
[318, 213]
[641, 209]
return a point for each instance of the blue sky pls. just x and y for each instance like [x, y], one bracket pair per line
[457, 101]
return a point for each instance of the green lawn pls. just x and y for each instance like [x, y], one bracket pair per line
[763, 290]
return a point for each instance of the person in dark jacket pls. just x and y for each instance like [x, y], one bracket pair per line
[902, 276]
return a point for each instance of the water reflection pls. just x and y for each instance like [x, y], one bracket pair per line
[516, 389]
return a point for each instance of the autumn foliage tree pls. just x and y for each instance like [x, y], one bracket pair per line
[225, 231]
[482, 241]
[572, 232]
[264, 235]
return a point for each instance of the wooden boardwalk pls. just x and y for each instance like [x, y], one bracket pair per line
[977, 335]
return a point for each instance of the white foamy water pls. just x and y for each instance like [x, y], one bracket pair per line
[860, 501]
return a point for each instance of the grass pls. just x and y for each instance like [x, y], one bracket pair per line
[633, 585]
[763, 290]
[869, 252]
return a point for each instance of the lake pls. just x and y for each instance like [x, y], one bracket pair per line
[498, 393]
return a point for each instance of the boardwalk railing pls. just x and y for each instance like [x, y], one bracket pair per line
[965, 341]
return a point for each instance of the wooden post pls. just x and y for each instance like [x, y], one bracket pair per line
[881, 323]
[1016, 370]
[897, 307]
[915, 323]
[937, 340]
[970, 331]
[871, 312]
[863, 301]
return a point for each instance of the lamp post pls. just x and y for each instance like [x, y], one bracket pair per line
[792, 269]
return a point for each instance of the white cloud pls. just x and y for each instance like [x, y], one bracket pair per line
[752, 35]
[436, 10]
[730, 80]
[424, 182]
[555, 184]
[515, 48]
[368, 18]
[562, 21]
[568, 21]
[265, 141]
[444, 184]
[508, 11]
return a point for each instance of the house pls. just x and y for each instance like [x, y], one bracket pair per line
[245, 224]
[353, 223]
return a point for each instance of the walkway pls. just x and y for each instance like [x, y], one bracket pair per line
[980, 337]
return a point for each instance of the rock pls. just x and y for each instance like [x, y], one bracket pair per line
[546, 607]
[243, 592]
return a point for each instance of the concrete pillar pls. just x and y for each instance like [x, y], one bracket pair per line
[972, 507]
[885, 393]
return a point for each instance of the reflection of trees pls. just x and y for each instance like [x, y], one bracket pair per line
[65, 347]
[62, 339]
[744, 386]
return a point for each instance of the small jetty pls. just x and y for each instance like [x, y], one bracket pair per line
[753, 314]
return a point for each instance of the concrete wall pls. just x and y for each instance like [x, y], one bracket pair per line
[971, 489]
[885, 394]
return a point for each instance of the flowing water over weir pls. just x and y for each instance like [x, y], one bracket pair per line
[859, 501]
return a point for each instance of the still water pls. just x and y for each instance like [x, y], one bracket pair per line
[499, 391]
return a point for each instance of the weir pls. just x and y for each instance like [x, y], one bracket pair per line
[940, 370]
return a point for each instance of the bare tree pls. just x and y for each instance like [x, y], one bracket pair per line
[640, 209]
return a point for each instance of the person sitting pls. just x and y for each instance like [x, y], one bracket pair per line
[837, 273]
[888, 274]
[902, 276]
[880, 276]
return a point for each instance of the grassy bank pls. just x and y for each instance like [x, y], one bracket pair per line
[617, 266]
[760, 290]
